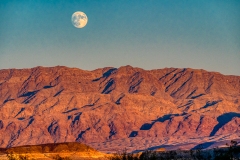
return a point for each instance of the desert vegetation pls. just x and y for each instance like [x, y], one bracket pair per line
[25, 157]
[232, 152]
[17, 157]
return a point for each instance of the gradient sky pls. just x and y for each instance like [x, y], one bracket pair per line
[150, 34]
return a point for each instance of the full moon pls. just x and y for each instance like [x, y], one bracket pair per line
[79, 19]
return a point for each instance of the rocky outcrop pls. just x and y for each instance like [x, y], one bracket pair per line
[60, 104]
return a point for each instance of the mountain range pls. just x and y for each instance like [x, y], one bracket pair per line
[112, 109]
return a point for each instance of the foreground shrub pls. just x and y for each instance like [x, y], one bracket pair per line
[57, 157]
[17, 157]
[232, 152]
[146, 155]
[123, 156]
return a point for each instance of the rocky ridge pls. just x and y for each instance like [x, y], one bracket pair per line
[111, 107]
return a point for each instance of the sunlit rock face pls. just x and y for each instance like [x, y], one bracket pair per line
[117, 108]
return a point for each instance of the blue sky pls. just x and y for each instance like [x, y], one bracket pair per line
[149, 34]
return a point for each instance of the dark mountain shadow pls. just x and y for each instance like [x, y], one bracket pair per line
[77, 117]
[46, 87]
[148, 126]
[188, 104]
[211, 103]
[119, 99]
[222, 120]
[29, 94]
[109, 87]
[91, 105]
[80, 135]
[199, 95]
[133, 134]
[1, 127]
[109, 72]
[106, 74]
[21, 110]
[74, 109]
[59, 92]
[8, 99]
[167, 74]
[203, 145]
[30, 121]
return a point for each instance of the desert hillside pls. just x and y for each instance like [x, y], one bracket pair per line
[115, 108]
[70, 150]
